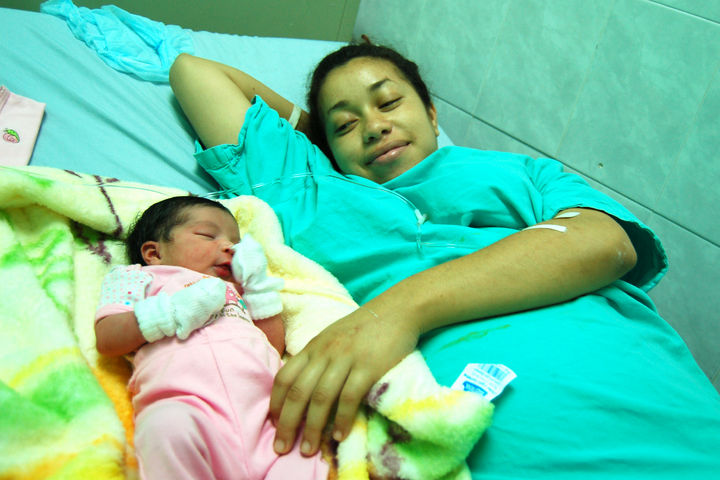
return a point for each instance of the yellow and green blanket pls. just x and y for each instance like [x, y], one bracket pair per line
[64, 410]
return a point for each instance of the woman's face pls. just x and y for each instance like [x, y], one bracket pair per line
[376, 124]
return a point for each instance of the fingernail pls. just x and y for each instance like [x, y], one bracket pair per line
[337, 435]
[279, 446]
[305, 447]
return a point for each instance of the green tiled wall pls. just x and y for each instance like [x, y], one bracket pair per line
[624, 92]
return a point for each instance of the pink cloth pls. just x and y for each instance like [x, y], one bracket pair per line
[201, 405]
[125, 285]
[20, 119]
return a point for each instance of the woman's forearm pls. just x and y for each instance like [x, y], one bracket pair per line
[530, 269]
[215, 97]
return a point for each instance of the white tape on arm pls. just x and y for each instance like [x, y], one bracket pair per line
[549, 226]
[568, 215]
[294, 116]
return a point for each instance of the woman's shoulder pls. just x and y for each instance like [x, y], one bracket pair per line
[457, 159]
[470, 153]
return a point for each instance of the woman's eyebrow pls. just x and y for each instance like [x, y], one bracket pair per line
[372, 88]
[376, 86]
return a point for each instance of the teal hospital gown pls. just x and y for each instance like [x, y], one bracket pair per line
[605, 388]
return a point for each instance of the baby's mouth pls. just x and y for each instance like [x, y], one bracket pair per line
[223, 271]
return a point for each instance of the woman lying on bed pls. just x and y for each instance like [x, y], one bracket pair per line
[472, 256]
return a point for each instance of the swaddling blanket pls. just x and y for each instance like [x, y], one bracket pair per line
[66, 410]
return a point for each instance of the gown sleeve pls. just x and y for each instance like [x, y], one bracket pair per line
[268, 151]
[561, 190]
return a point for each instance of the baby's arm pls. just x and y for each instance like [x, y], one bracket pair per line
[274, 330]
[116, 327]
[152, 318]
[118, 334]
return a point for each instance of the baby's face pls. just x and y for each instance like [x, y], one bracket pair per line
[203, 243]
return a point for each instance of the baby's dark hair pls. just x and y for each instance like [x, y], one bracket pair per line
[339, 58]
[156, 223]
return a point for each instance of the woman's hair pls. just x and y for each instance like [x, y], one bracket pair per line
[156, 223]
[339, 58]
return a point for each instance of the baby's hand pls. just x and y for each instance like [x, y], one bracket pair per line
[181, 313]
[195, 304]
[260, 291]
[249, 261]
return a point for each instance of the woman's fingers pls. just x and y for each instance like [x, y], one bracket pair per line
[336, 369]
[284, 379]
[322, 402]
[293, 385]
[356, 387]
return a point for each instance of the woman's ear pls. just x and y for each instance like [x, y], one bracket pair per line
[150, 252]
[432, 114]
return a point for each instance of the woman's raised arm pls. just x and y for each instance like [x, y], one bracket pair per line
[215, 98]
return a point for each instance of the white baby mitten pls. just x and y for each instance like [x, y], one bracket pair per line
[181, 313]
[249, 266]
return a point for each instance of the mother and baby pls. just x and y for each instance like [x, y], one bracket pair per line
[468, 255]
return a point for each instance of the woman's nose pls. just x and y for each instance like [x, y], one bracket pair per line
[376, 126]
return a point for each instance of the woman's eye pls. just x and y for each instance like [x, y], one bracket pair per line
[390, 103]
[344, 127]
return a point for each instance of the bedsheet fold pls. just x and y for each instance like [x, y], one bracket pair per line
[127, 42]
[70, 413]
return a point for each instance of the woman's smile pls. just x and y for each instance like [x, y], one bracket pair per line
[388, 153]
[376, 123]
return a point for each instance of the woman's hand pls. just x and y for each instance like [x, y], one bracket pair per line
[529, 269]
[338, 367]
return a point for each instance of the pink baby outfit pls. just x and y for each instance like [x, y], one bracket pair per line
[201, 405]
[20, 119]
